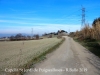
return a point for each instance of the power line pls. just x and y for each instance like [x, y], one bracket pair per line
[73, 13]
[83, 16]
[32, 34]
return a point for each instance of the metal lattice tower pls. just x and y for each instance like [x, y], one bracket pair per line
[83, 17]
[32, 34]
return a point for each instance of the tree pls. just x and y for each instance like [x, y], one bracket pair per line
[18, 36]
[36, 36]
[97, 20]
[12, 38]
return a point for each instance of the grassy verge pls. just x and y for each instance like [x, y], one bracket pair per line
[37, 59]
[91, 45]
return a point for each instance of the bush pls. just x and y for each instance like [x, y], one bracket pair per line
[93, 44]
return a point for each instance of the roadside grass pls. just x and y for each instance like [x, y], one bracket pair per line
[37, 59]
[89, 36]
[91, 45]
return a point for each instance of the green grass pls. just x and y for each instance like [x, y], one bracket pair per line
[91, 45]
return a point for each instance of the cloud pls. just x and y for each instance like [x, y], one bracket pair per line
[39, 25]
[40, 28]
[31, 21]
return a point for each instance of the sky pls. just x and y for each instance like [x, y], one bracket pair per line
[21, 16]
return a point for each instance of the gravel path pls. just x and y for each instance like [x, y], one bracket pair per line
[69, 59]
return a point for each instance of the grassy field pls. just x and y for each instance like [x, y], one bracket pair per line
[17, 53]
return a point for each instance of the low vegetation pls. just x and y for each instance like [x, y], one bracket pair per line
[89, 36]
[17, 54]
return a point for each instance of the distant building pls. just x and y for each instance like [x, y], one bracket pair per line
[4, 39]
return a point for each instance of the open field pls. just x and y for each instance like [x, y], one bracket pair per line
[17, 53]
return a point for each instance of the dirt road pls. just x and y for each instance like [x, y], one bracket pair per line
[69, 59]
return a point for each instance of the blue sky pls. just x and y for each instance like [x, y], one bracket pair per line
[20, 16]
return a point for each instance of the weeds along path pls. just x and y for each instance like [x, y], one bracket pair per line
[69, 59]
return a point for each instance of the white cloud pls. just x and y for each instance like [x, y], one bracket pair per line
[40, 28]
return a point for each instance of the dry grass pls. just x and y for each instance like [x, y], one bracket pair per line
[89, 32]
[15, 54]
[89, 36]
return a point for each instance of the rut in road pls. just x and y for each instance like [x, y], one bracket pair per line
[69, 59]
